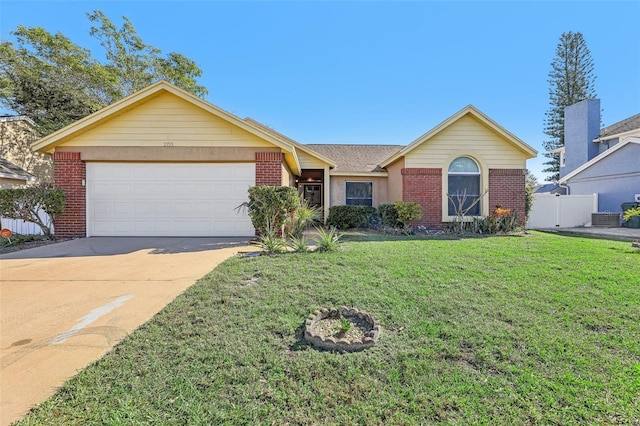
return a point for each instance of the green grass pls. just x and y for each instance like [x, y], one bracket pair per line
[504, 330]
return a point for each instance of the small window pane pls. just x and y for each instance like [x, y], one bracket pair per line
[463, 165]
[359, 194]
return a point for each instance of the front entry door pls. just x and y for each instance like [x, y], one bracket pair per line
[312, 192]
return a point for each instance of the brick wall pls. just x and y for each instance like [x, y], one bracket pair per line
[269, 168]
[424, 186]
[69, 172]
[507, 189]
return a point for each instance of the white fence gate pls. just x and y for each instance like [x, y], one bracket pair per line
[561, 211]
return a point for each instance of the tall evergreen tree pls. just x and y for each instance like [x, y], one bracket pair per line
[571, 80]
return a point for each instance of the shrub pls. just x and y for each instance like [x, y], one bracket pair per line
[328, 239]
[26, 204]
[271, 243]
[500, 220]
[632, 212]
[299, 244]
[388, 216]
[270, 206]
[408, 212]
[345, 217]
[304, 216]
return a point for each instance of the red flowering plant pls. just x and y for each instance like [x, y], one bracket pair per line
[502, 220]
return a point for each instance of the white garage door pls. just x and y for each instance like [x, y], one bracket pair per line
[151, 199]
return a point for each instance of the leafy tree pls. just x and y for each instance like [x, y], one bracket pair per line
[28, 203]
[530, 185]
[135, 65]
[571, 80]
[53, 81]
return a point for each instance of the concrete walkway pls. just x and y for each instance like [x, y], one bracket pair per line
[618, 233]
[64, 305]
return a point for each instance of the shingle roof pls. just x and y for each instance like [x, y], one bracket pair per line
[631, 123]
[356, 158]
[10, 170]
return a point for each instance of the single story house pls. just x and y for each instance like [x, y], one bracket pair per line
[163, 162]
[12, 176]
[604, 161]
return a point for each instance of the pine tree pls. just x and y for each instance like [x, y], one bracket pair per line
[571, 80]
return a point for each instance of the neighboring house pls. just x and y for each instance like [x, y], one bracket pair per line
[17, 133]
[551, 188]
[12, 176]
[603, 161]
[163, 162]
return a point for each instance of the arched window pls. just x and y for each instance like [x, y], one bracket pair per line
[464, 186]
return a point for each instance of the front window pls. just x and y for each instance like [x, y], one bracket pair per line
[359, 194]
[464, 187]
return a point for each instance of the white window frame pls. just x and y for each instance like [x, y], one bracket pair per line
[478, 174]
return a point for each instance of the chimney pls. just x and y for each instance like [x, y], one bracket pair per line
[581, 127]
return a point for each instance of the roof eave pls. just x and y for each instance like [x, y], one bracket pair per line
[359, 174]
[633, 132]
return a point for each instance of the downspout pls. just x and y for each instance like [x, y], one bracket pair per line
[566, 187]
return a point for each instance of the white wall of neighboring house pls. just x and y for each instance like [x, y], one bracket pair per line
[561, 211]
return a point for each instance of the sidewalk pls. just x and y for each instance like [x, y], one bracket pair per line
[618, 233]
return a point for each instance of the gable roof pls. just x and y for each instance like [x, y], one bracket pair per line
[305, 148]
[476, 113]
[617, 129]
[8, 170]
[356, 158]
[10, 118]
[599, 157]
[48, 143]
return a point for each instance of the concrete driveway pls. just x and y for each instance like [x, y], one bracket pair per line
[64, 305]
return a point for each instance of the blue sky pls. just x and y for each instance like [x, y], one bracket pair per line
[378, 72]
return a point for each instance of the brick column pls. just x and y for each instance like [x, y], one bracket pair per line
[424, 186]
[507, 189]
[269, 168]
[69, 173]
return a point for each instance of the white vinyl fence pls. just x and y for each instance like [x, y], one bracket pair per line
[562, 211]
[18, 226]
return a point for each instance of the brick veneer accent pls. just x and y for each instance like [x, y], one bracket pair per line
[424, 186]
[507, 189]
[69, 172]
[269, 168]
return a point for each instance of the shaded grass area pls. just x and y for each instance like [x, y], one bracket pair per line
[504, 330]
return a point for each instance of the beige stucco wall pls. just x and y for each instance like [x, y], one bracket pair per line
[394, 181]
[288, 179]
[6, 183]
[338, 187]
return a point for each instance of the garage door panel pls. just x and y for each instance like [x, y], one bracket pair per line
[153, 199]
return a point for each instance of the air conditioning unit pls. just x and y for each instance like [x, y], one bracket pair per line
[638, 198]
[605, 219]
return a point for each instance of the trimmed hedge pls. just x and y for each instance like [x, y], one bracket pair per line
[345, 217]
[388, 216]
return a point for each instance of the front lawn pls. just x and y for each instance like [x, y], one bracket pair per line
[542, 329]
